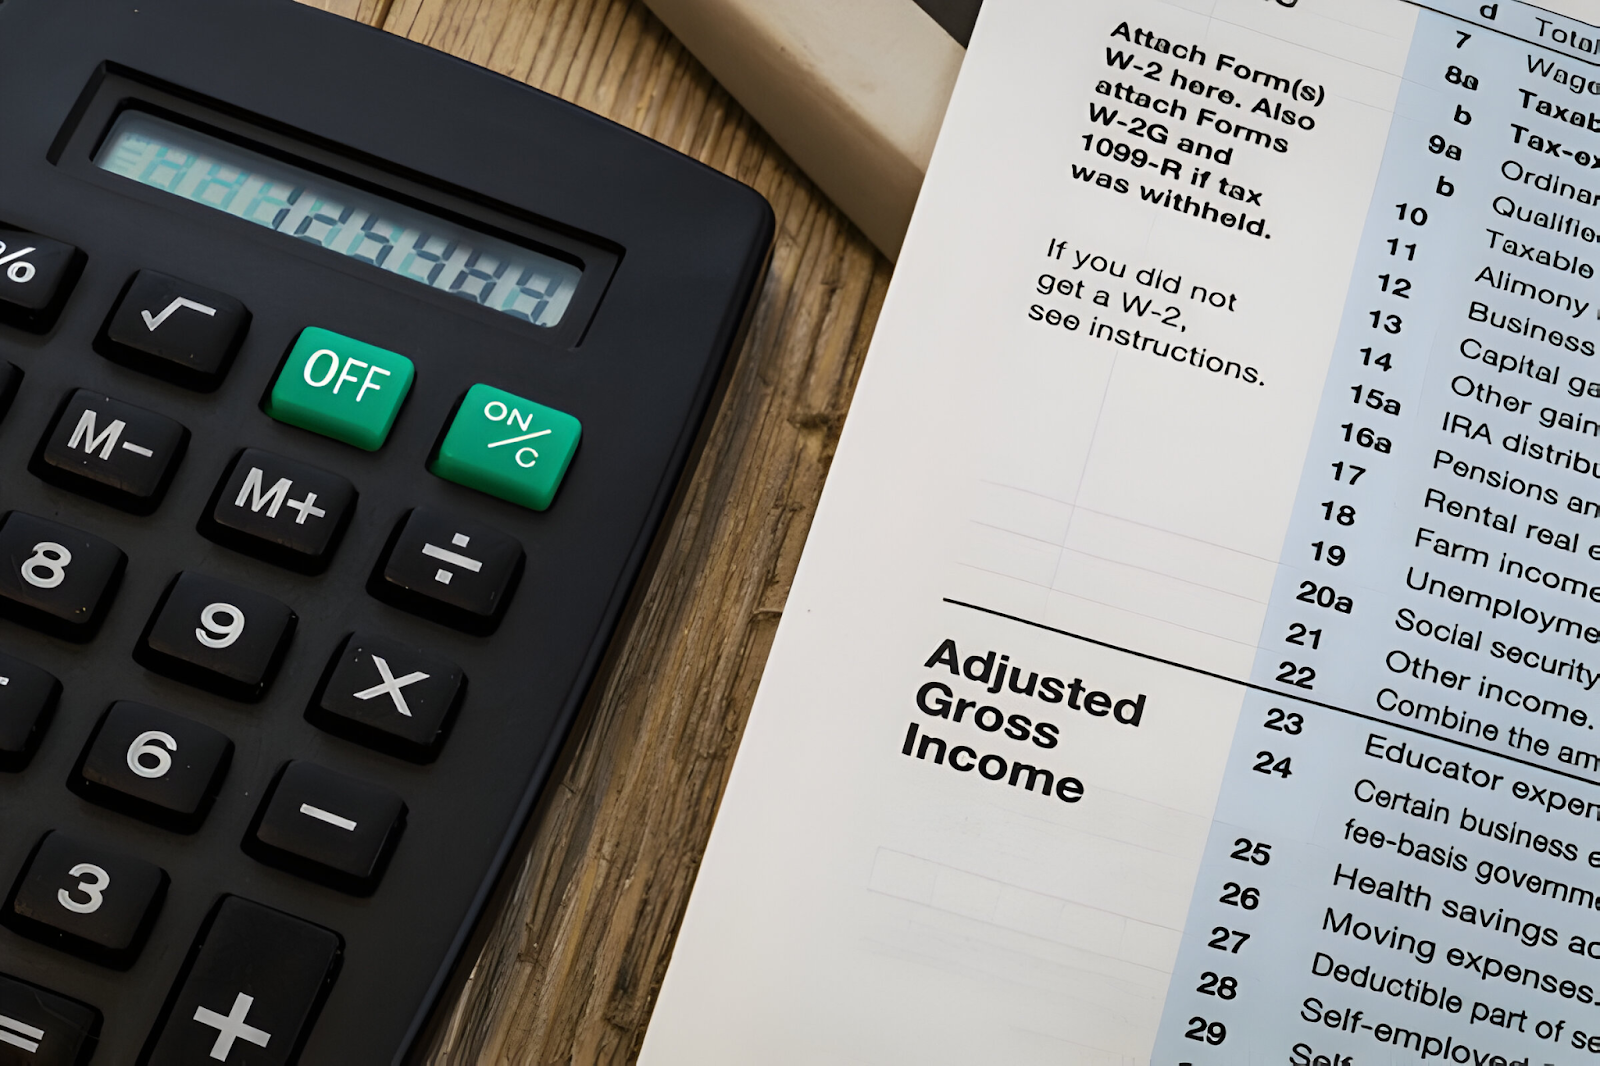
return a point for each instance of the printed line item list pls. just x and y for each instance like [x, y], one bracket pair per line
[1420, 880]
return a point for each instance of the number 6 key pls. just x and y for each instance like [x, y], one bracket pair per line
[154, 765]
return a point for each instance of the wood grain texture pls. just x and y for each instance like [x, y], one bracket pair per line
[372, 12]
[572, 968]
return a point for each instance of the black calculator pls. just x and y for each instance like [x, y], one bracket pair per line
[344, 388]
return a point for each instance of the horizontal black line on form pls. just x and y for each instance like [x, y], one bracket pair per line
[1386, 723]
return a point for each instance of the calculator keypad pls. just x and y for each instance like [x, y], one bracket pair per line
[286, 512]
[154, 765]
[451, 570]
[55, 578]
[111, 451]
[217, 636]
[389, 696]
[386, 452]
[40, 1028]
[28, 697]
[175, 330]
[36, 276]
[251, 990]
[90, 900]
[326, 826]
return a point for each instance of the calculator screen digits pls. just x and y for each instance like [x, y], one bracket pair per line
[345, 220]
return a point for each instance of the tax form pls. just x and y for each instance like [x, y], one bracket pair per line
[1194, 657]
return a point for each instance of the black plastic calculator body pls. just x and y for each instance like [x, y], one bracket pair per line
[343, 390]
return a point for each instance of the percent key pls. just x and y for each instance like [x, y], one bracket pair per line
[36, 276]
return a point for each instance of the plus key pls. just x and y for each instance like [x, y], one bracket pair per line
[232, 1026]
[252, 990]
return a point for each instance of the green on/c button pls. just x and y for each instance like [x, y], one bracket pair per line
[341, 388]
[506, 446]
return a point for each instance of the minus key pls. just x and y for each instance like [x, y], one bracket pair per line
[327, 827]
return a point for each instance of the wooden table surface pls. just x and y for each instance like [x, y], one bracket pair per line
[572, 968]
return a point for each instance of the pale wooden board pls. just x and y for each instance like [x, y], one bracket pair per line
[572, 969]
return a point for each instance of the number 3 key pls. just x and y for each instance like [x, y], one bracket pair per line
[86, 899]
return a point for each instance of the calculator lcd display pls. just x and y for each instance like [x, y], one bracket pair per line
[443, 255]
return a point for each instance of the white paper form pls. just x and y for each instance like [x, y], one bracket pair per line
[1194, 657]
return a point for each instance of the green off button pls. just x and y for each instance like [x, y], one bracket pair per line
[508, 447]
[341, 388]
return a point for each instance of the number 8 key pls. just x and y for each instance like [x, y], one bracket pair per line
[55, 578]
